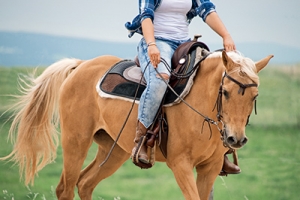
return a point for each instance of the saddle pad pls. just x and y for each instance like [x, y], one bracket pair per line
[124, 78]
[115, 84]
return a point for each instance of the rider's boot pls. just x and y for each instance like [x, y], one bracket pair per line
[229, 167]
[142, 154]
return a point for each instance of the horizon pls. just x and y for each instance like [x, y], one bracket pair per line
[33, 49]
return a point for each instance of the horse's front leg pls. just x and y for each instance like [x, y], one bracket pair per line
[206, 176]
[183, 172]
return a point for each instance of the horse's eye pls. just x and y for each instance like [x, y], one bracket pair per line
[226, 94]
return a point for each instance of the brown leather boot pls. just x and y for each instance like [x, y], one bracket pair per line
[229, 167]
[142, 154]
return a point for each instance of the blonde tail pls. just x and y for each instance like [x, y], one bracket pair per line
[34, 127]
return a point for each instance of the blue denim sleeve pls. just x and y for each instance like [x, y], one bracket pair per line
[134, 25]
[147, 13]
[205, 8]
[201, 8]
[146, 10]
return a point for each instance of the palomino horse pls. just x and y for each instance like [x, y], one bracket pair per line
[65, 92]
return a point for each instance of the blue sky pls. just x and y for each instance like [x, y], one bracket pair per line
[275, 21]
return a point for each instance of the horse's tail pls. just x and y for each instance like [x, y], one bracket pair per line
[36, 119]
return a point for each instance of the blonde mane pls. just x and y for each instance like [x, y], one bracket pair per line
[245, 65]
[64, 94]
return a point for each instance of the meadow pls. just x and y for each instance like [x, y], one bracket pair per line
[270, 161]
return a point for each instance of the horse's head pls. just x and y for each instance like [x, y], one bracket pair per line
[238, 92]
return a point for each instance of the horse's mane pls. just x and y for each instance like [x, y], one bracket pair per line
[246, 66]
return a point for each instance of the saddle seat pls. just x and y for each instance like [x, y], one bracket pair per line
[125, 81]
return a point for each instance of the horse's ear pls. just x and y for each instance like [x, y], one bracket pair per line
[227, 61]
[262, 63]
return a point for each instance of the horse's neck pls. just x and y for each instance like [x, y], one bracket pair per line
[207, 83]
[203, 97]
[212, 68]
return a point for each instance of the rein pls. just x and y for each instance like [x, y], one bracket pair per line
[209, 121]
[206, 119]
[218, 103]
[125, 122]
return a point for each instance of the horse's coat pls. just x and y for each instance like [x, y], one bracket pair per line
[65, 92]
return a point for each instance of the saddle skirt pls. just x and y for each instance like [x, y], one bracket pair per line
[125, 80]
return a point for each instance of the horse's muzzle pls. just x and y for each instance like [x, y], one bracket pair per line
[235, 141]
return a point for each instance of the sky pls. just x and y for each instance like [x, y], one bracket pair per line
[275, 21]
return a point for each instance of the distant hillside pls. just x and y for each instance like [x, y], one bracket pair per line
[29, 49]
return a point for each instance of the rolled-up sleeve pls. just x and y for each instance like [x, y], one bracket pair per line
[205, 8]
[146, 9]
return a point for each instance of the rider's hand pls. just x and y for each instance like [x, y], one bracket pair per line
[228, 43]
[154, 55]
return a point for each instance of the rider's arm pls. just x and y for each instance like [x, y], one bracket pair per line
[148, 33]
[213, 20]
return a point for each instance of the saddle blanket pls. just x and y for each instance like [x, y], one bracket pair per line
[125, 81]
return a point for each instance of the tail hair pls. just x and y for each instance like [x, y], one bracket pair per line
[34, 127]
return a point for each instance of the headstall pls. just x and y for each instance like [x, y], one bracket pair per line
[218, 103]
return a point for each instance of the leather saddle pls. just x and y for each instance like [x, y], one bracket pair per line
[125, 81]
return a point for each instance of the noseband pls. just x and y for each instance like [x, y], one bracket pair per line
[218, 103]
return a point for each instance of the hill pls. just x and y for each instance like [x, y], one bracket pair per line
[31, 49]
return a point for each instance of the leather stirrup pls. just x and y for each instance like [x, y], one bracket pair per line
[135, 157]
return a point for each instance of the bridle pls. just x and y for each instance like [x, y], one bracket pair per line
[208, 120]
[218, 103]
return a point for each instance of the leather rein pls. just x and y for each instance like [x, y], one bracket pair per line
[208, 120]
[218, 103]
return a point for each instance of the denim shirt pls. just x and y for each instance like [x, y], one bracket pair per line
[147, 8]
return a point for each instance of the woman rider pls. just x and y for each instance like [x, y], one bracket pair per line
[164, 25]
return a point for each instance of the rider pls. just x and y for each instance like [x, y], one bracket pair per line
[164, 26]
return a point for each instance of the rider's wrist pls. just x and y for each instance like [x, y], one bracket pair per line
[151, 44]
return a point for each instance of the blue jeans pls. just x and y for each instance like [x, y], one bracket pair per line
[156, 87]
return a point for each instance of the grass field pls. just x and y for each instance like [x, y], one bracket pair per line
[270, 162]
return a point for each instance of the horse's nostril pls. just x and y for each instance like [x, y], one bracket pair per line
[231, 140]
[244, 141]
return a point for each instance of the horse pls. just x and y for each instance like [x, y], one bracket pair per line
[65, 95]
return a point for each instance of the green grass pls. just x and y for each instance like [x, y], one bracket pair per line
[270, 162]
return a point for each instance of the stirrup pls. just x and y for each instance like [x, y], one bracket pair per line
[135, 157]
[235, 162]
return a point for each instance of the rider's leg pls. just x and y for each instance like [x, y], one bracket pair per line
[152, 96]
